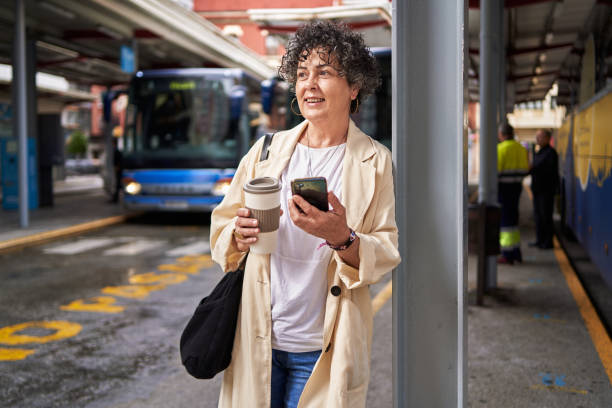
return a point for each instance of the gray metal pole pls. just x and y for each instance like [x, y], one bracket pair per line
[489, 101]
[19, 81]
[430, 155]
[502, 66]
[501, 116]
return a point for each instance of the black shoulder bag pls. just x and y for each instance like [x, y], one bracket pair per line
[207, 341]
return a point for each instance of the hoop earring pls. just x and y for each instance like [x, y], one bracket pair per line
[356, 106]
[291, 107]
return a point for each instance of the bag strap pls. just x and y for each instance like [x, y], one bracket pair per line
[265, 150]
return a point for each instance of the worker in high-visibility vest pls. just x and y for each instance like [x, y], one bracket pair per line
[512, 167]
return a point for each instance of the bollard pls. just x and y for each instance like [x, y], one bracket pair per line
[483, 240]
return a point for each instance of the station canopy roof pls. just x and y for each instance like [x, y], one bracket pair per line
[81, 40]
[358, 14]
[545, 41]
[373, 18]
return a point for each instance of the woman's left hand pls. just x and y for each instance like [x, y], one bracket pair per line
[329, 225]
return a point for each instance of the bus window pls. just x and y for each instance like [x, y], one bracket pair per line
[185, 117]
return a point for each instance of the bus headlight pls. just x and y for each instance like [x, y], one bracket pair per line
[133, 187]
[221, 187]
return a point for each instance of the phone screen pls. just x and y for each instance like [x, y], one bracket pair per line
[313, 190]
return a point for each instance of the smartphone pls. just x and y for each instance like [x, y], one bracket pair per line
[313, 190]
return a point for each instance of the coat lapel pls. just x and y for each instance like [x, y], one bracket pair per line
[281, 150]
[358, 176]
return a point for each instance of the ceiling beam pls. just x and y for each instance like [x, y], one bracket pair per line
[569, 78]
[533, 90]
[186, 30]
[86, 35]
[526, 76]
[475, 4]
[143, 33]
[530, 50]
[541, 49]
[80, 58]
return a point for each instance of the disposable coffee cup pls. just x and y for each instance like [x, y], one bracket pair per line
[262, 198]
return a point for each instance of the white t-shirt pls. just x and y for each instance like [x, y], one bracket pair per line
[298, 272]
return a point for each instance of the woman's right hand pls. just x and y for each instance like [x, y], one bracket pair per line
[245, 230]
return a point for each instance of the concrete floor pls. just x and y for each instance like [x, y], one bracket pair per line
[527, 346]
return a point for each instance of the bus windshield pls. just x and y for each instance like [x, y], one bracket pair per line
[191, 122]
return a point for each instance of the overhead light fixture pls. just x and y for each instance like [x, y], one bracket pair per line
[233, 30]
[83, 50]
[549, 37]
[111, 33]
[57, 10]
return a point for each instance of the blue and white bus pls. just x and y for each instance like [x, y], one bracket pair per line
[374, 115]
[186, 130]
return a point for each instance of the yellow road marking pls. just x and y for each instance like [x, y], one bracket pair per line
[540, 320]
[381, 298]
[152, 277]
[192, 269]
[101, 304]
[106, 304]
[557, 388]
[41, 237]
[14, 354]
[63, 329]
[131, 291]
[596, 329]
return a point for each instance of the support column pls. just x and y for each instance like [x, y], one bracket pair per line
[430, 156]
[502, 66]
[35, 183]
[490, 33]
[20, 108]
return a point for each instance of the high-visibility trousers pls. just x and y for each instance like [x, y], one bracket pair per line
[509, 235]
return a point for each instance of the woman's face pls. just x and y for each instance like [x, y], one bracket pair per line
[321, 92]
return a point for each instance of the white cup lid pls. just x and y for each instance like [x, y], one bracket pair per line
[262, 185]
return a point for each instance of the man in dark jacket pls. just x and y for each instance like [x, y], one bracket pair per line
[544, 184]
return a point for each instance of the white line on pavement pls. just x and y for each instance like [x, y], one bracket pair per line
[135, 248]
[201, 247]
[81, 245]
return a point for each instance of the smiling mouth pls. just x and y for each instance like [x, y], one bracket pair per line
[314, 100]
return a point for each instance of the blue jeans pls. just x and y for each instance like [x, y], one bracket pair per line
[290, 371]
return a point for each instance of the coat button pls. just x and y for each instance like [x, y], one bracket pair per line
[335, 290]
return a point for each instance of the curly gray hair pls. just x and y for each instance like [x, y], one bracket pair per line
[341, 45]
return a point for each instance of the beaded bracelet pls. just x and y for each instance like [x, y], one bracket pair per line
[344, 246]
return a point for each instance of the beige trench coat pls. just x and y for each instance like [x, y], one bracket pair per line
[341, 375]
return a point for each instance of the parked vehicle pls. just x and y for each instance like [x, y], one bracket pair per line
[186, 130]
[584, 143]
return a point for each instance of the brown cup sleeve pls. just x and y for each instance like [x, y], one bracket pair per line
[267, 219]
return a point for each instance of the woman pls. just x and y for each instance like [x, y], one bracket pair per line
[305, 324]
